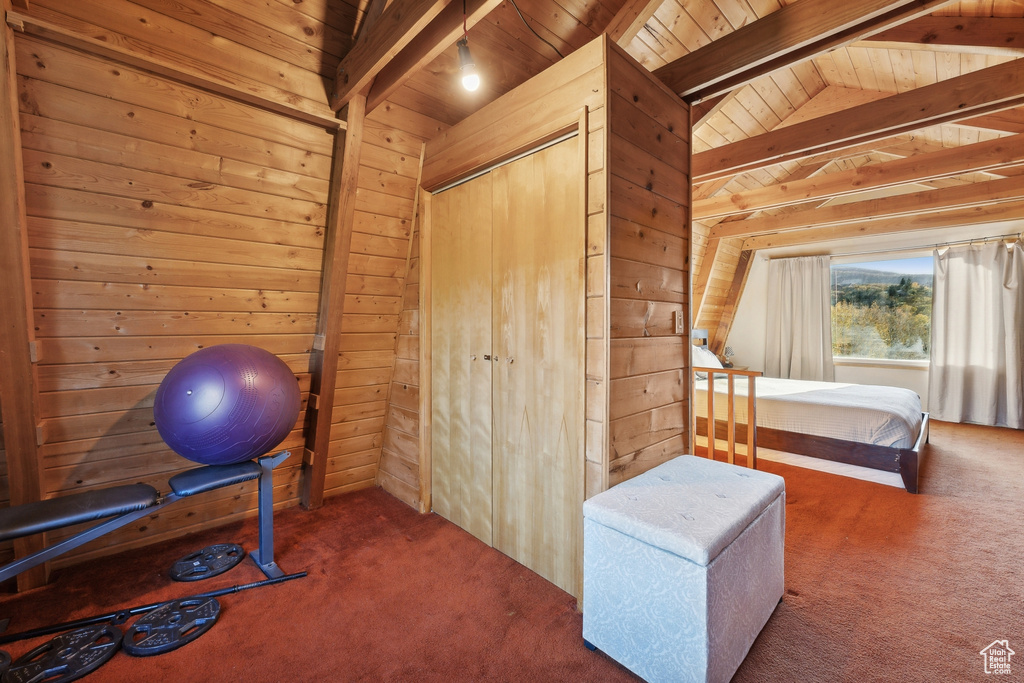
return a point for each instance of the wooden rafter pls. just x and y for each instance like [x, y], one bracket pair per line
[17, 374]
[732, 300]
[976, 194]
[995, 32]
[395, 29]
[982, 156]
[796, 32]
[701, 112]
[439, 35]
[989, 90]
[323, 362]
[630, 19]
[370, 17]
[975, 215]
[702, 276]
[703, 273]
[1009, 121]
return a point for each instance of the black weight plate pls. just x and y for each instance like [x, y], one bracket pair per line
[210, 561]
[67, 657]
[171, 626]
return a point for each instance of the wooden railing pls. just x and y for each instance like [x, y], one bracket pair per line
[730, 422]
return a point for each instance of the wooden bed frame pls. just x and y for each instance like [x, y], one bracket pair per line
[904, 461]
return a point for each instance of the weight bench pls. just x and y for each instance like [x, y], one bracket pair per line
[122, 505]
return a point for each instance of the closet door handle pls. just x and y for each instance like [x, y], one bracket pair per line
[472, 356]
[487, 356]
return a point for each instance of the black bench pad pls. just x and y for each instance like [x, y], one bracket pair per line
[88, 506]
[191, 482]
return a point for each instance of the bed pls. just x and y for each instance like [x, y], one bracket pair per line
[867, 425]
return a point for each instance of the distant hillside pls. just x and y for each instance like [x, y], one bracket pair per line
[851, 275]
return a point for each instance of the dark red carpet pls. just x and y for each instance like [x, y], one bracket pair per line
[881, 585]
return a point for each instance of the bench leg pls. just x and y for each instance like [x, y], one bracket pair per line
[264, 556]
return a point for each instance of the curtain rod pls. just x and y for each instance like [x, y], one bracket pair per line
[990, 238]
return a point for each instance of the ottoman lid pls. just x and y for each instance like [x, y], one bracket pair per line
[689, 506]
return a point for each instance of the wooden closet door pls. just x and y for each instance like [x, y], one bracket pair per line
[539, 334]
[461, 341]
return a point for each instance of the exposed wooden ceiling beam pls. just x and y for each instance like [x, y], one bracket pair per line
[630, 19]
[981, 156]
[981, 92]
[711, 251]
[977, 215]
[703, 274]
[796, 32]
[439, 35]
[985, 194]
[732, 301]
[997, 32]
[702, 111]
[1009, 121]
[395, 29]
[370, 17]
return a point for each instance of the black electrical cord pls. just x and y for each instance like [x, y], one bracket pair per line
[534, 32]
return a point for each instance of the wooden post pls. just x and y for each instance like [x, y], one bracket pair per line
[426, 381]
[323, 361]
[711, 415]
[751, 421]
[17, 375]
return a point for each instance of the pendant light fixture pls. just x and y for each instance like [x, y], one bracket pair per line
[470, 78]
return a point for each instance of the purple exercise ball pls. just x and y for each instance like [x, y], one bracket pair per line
[226, 404]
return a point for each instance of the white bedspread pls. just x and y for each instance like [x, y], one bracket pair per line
[885, 416]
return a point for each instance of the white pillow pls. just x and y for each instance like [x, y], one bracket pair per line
[703, 358]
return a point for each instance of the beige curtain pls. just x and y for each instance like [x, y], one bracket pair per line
[798, 342]
[977, 350]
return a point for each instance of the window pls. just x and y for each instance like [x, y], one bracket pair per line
[882, 309]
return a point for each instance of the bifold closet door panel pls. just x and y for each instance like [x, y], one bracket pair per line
[539, 340]
[461, 342]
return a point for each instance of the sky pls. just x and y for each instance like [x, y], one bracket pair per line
[915, 266]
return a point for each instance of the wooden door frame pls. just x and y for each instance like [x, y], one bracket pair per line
[556, 128]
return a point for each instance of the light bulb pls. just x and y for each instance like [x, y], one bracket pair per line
[470, 78]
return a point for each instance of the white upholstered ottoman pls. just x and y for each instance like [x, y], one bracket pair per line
[682, 566]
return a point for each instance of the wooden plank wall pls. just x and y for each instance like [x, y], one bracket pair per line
[281, 51]
[399, 472]
[149, 241]
[392, 148]
[164, 218]
[649, 199]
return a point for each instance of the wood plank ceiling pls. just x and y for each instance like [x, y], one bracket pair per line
[958, 39]
[900, 48]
